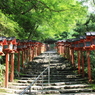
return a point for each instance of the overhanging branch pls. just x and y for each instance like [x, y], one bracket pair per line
[50, 8]
[32, 32]
[34, 6]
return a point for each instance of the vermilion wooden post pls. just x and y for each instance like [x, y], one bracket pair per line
[12, 68]
[7, 70]
[79, 62]
[33, 52]
[26, 55]
[82, 58]
[72, 55]
[29, 54]
[18, 67]
[64, 51]
[61, 49]
[38, 49]
[89, 66]
[67, 52]
[23, 59]
[58, 49]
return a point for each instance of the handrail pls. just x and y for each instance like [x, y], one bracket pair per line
[29, 87]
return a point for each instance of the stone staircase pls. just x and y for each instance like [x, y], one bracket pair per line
[63, 79]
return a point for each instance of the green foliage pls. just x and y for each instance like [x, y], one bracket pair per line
[88, 24]
[2, 90]
[65, 16]
[92, 63]
[39, 19]
[7, 26]
[2, 70]
[92, 86]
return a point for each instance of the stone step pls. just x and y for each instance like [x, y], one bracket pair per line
[55, 74]
[65, 83]
[17, 87]
[52, 77]
[56, 94]
[63, 91]
[45, 84]
[75, 90]
[61, 72]
[9, 94]
[51, 87]
[63, 80]
[51, 92]
[18, 84]
[57, 80]
[67, 86]
[67, 77]
[29, 76]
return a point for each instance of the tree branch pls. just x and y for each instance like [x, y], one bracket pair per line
[34, 6]
[27, 10]
[45, 6]
[50, 8]
[32, 32]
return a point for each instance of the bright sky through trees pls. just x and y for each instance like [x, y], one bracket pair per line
[90, 4]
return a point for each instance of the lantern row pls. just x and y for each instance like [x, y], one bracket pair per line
[82, 43]
[13, 45]
[86, 43]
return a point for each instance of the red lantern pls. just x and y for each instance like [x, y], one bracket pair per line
[9, 46]
[2, 43]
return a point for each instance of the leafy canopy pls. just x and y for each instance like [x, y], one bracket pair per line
[39, 19]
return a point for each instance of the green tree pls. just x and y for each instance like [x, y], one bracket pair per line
[42, 18]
